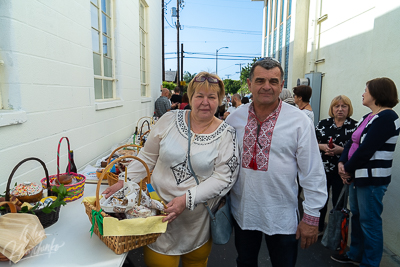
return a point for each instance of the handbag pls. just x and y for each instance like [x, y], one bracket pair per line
[336, 233]
[221, 220]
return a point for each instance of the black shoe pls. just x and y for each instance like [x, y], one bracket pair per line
[342, 258]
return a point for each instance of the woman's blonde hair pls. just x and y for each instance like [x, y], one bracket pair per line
[219, 87]
[336, 101]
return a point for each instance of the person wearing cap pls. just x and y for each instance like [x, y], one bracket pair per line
[277, 141]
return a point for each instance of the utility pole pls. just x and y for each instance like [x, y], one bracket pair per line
[181, 66]
[177, 42]
[240, 66]
[162, 40]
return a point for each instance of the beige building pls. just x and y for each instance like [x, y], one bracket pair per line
[345, 44]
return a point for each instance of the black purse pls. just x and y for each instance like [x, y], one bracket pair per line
[336, 233]
[221, 219]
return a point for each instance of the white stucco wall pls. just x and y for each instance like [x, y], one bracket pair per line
[46, 47]
[359, 41]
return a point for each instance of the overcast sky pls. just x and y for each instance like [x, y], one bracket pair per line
[209, 25]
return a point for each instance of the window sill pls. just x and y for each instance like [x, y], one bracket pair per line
[145, 99]
[12, 117]
[108, 104]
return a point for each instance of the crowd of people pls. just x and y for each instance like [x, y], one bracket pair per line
[261, 152]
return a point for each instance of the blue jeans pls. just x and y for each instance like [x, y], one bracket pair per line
[282, 248]
[366, 224]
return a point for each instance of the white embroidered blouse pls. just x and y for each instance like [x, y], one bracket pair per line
[214, 158]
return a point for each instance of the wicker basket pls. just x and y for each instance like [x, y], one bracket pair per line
[46, 219]
[120, 244]
[112, 178]
[76, 189]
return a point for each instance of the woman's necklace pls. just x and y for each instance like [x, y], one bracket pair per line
[207, 126]
[305, 106]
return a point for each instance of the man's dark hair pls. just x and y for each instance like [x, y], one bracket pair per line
[266, 63]
[177, 90]
[384, 91]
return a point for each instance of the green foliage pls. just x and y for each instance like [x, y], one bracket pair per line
[170, 85]
[246, 70]
[62, 193]
[187, 77]
[232, 86]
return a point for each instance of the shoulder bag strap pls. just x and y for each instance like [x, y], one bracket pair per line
[190, 164]
[344, 193]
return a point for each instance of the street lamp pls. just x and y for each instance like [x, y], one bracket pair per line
[216, 59]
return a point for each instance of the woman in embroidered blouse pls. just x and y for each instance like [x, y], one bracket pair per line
[214, 158]
[339, 127]
[366, 164]
[302, 95]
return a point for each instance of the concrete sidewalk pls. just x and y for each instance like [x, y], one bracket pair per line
[225, 256]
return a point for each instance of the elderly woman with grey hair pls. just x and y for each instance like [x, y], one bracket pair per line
[286, 96]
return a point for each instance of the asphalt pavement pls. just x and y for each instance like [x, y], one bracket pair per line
[225, 256]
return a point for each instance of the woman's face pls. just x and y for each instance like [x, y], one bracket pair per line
[340, 110]
[204, 103]
[367, 99]
[296, 99]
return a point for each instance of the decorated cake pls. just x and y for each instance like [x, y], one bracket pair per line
[28, 192]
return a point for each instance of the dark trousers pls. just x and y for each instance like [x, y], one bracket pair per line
[282, 248]
[333, 181]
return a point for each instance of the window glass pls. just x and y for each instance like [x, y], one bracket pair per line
[107, 67]
[105, 7]
[105, 24]
[98, 89]
[103, 61]
[95, 41]
[96, 64]
[108, 89]
[94, 18]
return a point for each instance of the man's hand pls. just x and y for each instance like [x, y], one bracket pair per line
[175, 208]
[308, 234]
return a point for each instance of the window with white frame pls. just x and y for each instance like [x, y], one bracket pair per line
[102, 45]
[143, 48]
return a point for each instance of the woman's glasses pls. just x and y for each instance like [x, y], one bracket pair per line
[208, 78]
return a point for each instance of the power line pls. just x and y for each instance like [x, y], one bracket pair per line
[225, 30]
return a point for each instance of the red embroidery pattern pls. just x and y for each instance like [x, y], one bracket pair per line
[263, 144]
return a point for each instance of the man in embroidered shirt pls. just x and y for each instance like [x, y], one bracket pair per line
[277, 142]
[162, 104]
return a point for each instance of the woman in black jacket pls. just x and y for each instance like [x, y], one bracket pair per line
[338, 129]
[366, 164]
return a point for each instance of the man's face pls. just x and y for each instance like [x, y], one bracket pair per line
[265, 86]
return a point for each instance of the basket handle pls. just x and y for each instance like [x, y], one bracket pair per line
[148, 126]
[142, 135]
[12, 206]
[108, 167]
[118, 148]
[15, 169]
[58, 158]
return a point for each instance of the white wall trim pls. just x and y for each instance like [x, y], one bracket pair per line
[145, 99]
[108, 104]
[11, 117]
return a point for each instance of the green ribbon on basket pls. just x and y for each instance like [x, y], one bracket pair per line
[96, 216]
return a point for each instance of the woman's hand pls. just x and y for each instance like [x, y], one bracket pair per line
[114, 188]
[343, 174]
[175, 208]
